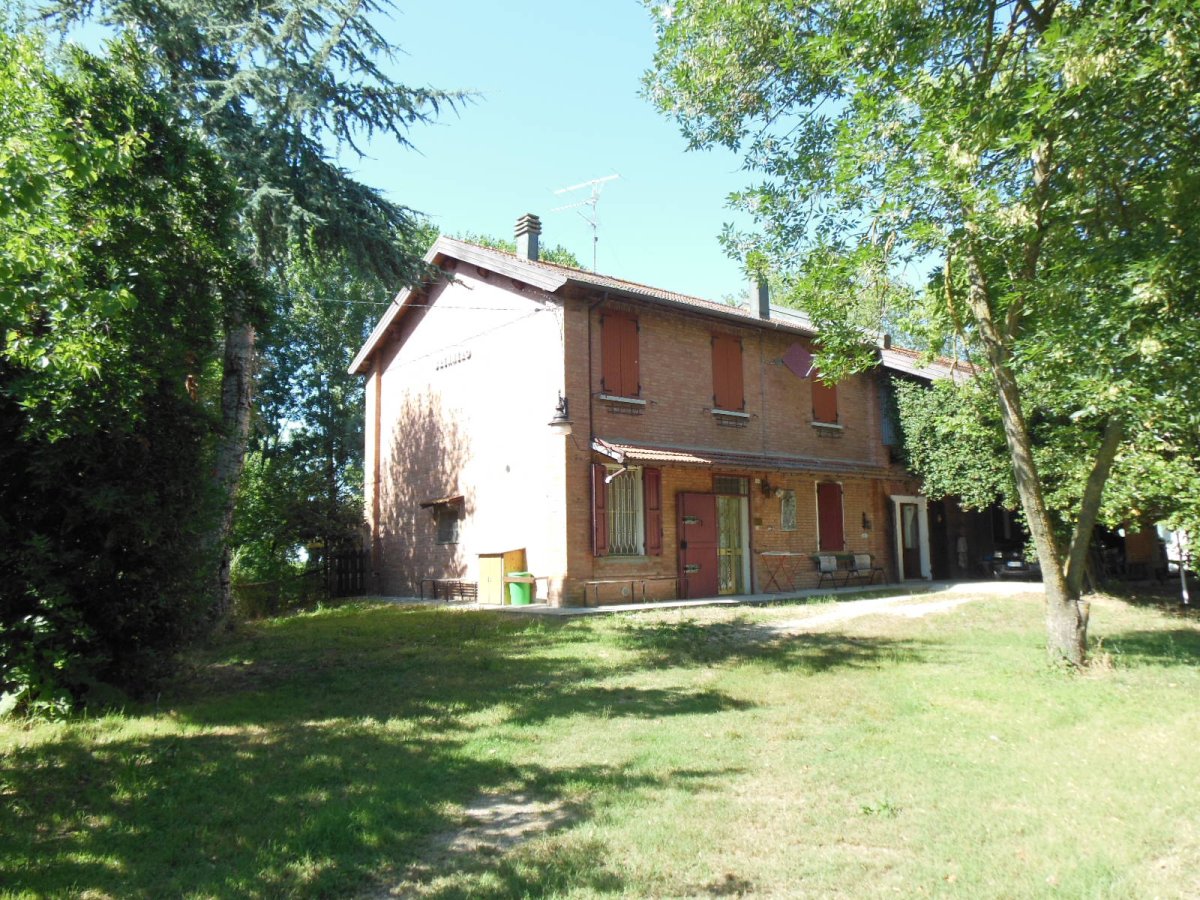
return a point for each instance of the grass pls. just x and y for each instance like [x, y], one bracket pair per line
[698, 752]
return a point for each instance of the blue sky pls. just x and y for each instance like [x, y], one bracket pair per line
[559, 104]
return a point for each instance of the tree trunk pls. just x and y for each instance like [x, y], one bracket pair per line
[1066, 621]
[1089, 508]
[237, 380]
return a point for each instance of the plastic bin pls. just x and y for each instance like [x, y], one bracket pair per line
[520, 593]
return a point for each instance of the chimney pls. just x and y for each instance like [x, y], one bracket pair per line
[528, 228]
[764, 298]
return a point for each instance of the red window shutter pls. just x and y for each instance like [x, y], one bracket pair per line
[829, 517]
[652, 505]
[599, 511]
[619, 355]
[824, 401]
[610, 355]
[727, 372]
[630, 377]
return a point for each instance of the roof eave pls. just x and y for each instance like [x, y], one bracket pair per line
[444, 248]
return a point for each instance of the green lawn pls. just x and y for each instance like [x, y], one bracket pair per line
[686, 753]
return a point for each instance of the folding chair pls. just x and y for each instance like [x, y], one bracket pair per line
[828, 567]
[864, 568]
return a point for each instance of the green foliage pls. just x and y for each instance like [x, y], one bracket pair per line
[303, 479]
[117, 260]
[1044, 152]
[276, 88]
[558, 254]
[953, 440]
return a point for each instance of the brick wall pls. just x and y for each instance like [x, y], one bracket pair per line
[675, 373]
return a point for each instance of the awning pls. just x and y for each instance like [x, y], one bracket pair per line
[456, 500]
[634, 454]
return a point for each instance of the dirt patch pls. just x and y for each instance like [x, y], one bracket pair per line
[498, 822]
[492, 825]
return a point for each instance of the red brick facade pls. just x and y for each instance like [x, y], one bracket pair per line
[459, 391]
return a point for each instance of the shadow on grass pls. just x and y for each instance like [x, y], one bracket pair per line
[316, 755]
[1177, 647]
[690, 643]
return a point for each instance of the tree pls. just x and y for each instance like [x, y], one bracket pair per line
[1044, 150]
[303, 483]
[303, 480]
[120, 255]
[272, 87]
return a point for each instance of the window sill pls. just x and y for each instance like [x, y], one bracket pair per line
[831, 426]
[732, 413]
[613, 398]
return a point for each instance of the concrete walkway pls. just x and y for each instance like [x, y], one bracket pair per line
[941, 594]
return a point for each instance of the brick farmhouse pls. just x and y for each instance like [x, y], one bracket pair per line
[704, 457]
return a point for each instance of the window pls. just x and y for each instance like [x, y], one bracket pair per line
[787, 511]
[626, 511]
[889, 414]
[731, 484]
[830, 533]
[824, 402]
[619, 355]
[727, 372]
[447, 518]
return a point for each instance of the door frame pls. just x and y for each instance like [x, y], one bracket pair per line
[922, 504]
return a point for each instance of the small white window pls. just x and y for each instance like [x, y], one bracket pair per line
[626, 518]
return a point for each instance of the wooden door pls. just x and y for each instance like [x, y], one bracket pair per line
[697, 545]
[910, 540]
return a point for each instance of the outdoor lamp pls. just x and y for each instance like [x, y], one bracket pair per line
[561, 423]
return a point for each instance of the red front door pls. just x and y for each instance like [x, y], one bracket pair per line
[697, 545]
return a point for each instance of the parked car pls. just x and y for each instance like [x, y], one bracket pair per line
[1011, 564]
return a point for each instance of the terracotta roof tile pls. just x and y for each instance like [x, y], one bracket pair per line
[623, 452]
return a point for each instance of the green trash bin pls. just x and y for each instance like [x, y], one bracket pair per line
[520, 593]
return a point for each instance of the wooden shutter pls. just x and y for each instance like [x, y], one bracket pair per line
[599, 511]
[652, 506]
[829, 517]
[619, 355]
[824, 401]
[727, 372]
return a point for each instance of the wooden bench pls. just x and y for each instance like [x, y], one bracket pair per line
[449, 588]
[597, 583]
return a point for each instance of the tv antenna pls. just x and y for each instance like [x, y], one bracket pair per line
[590, 216]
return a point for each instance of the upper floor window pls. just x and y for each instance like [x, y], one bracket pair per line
[727, 373]
[824, 401]
[619, 355]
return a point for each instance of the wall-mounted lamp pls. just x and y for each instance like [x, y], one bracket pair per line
[866, 523]
[561, 423]
[767, 488]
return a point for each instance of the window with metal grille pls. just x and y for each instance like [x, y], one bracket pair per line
[626, 520]
[731, 484]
